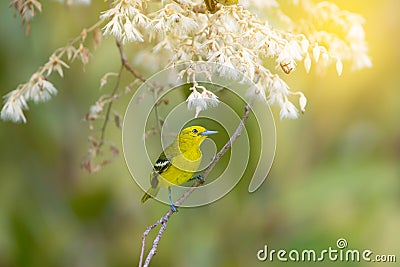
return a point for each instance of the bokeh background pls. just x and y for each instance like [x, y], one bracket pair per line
[336, 173]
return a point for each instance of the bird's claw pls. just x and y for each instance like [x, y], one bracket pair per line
[199, 178]
[173, 208]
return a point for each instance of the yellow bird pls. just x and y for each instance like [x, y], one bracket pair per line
[178, 162]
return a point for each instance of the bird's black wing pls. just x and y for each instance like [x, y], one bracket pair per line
[161, 165]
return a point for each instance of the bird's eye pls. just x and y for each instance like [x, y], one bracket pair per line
[195, 131]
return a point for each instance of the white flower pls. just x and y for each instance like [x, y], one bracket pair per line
[316, 52]
[108, 13]
[256, 92]
[113, 28]
[302, 101]
[12, 112]
[157, 29]
[288, 111]
[37, 89]
[131, 34]
[12, 109]
[305, 44]
[339, 67]
[56, 64]
[307, 63]
[201, 101]
[95, 109]
[140, 20]
[126, 20]
[290, 53]
[356, 32]
[361, 61]
[41, 91]
[278, 89]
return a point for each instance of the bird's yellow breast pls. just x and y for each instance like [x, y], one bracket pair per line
[183, 167]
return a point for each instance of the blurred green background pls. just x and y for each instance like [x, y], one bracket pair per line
[336, 173]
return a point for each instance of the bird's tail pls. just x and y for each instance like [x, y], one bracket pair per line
[152, 192]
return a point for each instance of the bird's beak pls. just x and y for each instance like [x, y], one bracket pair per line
[207, 133]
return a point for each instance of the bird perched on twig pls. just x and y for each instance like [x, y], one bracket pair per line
[178, 162]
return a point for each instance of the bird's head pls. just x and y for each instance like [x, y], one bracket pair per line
[194, 136]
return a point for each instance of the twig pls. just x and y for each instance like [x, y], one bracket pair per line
[126, 64]
[139, 76]
[158, 123]
[109, 106]
[164, 220]
[145, 234]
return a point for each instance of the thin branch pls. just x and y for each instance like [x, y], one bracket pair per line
[163, 221]
[126, 64]
[109, 106]
[145, 234]
[140, 77]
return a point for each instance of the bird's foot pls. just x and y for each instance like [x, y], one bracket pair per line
[199, 178]
[173, 207]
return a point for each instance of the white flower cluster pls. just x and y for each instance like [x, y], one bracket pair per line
[37, 89]
[238, 39]
[126, 20]
[334, 35]
[201, 101]
[345, 43]
[183, 31]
